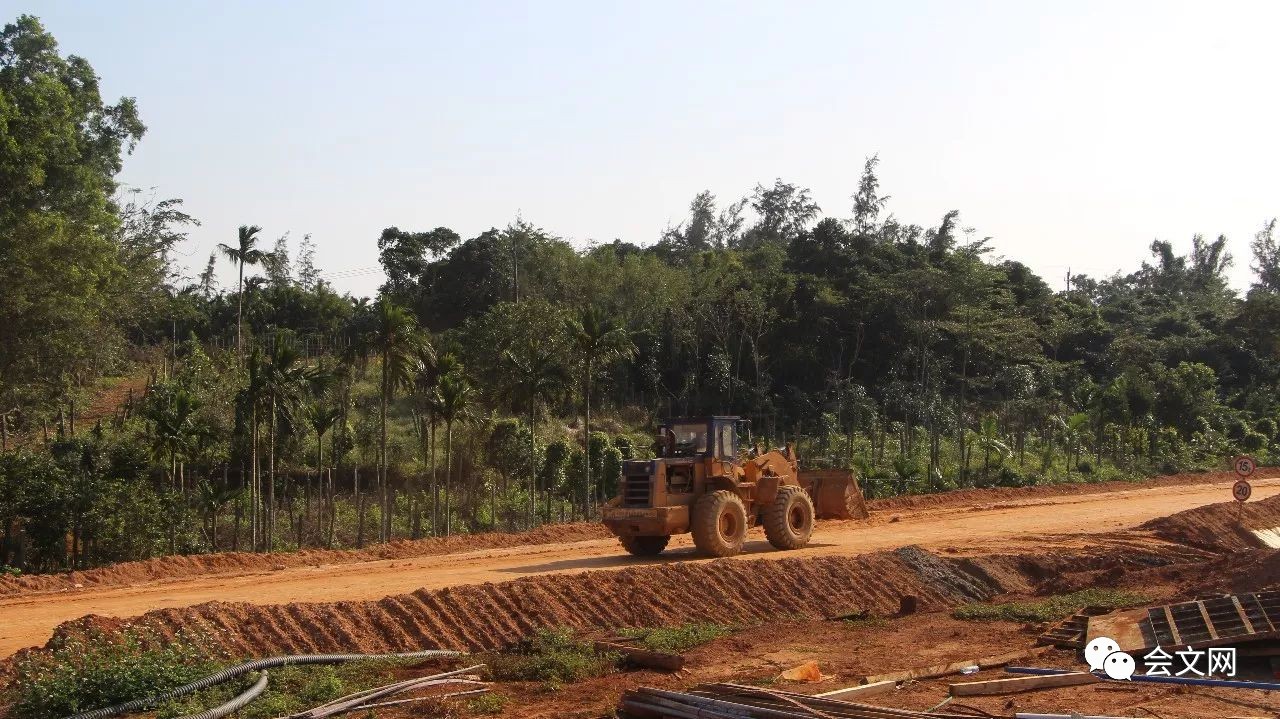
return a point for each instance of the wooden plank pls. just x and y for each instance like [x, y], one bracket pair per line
[1244, 618]
[1021, 684]
[861, 690]
[1173, 626]
[1208, 623]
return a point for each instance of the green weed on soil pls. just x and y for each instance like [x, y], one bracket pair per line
[95, 671]
[677, 639]
[1050, 608]
[554, 656]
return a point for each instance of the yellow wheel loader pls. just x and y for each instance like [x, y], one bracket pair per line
[701, 482]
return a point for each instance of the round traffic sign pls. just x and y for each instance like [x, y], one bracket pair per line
[1241, 490]
[1245, 465]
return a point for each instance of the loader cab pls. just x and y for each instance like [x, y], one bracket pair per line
[714, 437]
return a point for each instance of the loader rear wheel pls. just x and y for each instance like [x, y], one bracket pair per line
[645, 546]
[719, 524]
[788, 522]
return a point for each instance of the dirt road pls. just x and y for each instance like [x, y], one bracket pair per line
[1024, 524]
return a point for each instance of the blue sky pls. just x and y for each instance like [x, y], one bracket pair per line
[1072, 133]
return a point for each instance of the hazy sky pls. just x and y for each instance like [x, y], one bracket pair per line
[1073, 133]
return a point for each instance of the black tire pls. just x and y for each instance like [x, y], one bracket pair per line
[645, 546]
[788, 522]
[719, 524]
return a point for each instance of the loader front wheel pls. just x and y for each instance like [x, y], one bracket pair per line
[719, 524]
[645, 546]
[788, 522]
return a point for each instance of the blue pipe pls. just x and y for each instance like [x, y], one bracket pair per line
[1184, 681]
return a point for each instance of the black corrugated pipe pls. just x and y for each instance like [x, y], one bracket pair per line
[254, 666]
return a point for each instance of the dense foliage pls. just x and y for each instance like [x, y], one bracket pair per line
[499, 381]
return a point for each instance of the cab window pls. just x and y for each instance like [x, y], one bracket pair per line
[690, 438]
[728, 438]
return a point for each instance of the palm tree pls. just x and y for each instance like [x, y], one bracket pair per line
[251, 397]
[425, 419]
[174, 431]
[988, 440]
[321, 418]
[597, 340]
[212, 499]
[286, 382]
[539, 374]
[400, 345]
[1072, 432]
[450, 401]
[244, 253]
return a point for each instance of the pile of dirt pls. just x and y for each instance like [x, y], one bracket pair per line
[180, 566]
[493, 616]
[1005, 494]
[1225, 527]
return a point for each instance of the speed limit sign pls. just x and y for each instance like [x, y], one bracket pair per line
[1245, 466]
[1241, 490]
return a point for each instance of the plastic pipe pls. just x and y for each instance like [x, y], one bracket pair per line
[253, 666]
[234, 705]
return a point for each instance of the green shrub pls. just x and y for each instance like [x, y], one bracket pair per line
[1253, 442]
[1051, 608]
[677, 639]
[554, 656]
[97, 671]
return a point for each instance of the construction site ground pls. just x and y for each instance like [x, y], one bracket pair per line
[1172, 537]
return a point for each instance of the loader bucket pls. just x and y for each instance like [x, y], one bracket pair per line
[835, 493]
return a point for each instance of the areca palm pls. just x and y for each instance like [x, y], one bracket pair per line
[286, 379]
[539, 374]
[1072, 432]
[173, 431]
[321, 418]
[244, 253]
[250, 399]
[212, 499]
[989, 441]
[400, 346]
[597, 339]
[450, 400]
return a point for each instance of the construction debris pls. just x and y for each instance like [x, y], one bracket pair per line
[805, 672]
[942, 670]
[1233, 619]
[734, 701]
[861, 690]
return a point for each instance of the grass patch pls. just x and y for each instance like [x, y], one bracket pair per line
[291, 689]
[554, 656]
[677, 639]
[1050, 608]
[96, 670]
[491, 703]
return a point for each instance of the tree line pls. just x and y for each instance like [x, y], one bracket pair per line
[499, 381]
